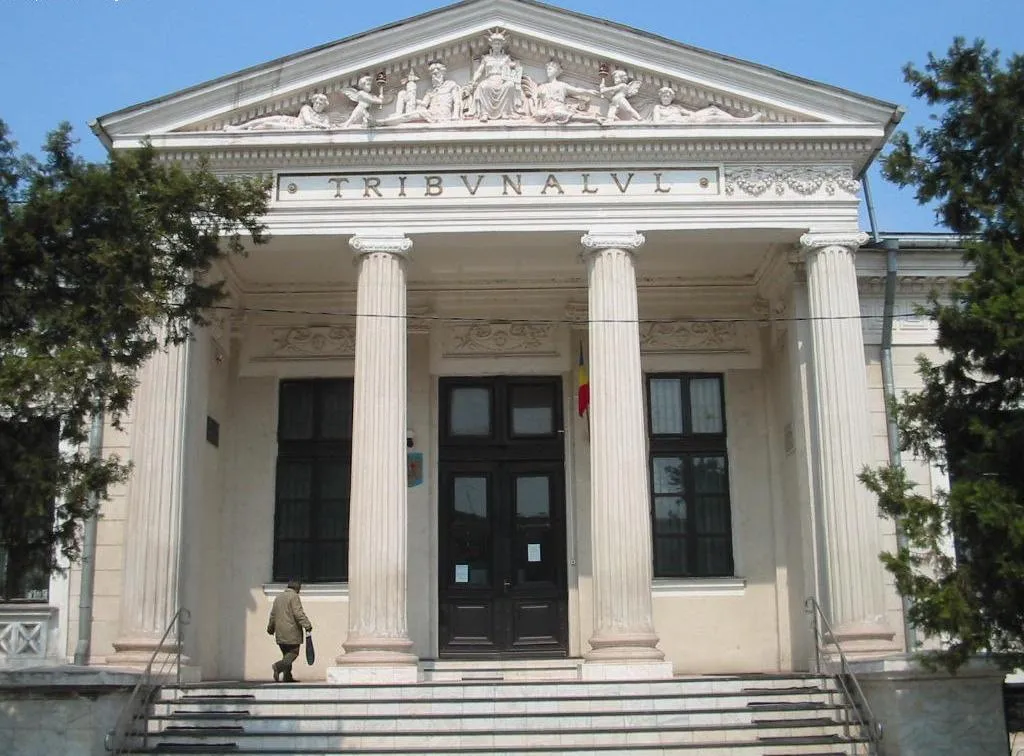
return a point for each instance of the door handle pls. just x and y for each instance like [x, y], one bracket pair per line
[508, 585]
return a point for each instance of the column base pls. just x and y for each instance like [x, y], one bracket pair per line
[626, 670]
[136, 654]
[640, 647]
[864, 639]
[377, 652]
[374, 674]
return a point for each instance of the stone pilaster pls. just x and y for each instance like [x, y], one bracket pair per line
[378, 646]
[152, 536]
[624, 643]
[849, 528]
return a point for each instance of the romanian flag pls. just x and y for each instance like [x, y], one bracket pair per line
[583, 386]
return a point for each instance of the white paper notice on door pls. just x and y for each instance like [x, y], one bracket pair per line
[533, 552]
[462, 573]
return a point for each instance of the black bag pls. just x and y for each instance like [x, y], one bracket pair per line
[310, 651]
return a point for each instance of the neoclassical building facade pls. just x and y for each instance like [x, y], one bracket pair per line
[476, 212]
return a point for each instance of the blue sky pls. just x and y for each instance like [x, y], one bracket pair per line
[75, 60]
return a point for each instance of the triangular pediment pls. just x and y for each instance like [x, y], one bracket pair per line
[486, 63]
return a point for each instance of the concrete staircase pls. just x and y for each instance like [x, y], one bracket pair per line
[497, 709]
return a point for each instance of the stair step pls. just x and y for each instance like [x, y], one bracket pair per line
[486, 712]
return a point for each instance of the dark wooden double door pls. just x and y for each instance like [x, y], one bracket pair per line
[502, 569]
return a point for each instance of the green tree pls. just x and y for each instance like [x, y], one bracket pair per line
[969, 415]
[100, 265]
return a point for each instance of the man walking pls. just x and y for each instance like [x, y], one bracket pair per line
[287, 621]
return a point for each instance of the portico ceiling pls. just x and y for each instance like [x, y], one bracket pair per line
[445, 261]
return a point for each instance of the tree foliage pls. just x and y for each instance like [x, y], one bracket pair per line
[968, 418]
[100, 265]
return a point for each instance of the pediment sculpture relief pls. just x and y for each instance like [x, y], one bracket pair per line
[499, 90]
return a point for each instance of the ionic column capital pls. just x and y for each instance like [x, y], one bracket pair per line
[390, 242]
[598, 239]
[815, 242]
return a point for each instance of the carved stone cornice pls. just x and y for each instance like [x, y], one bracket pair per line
[311, 342]
[510, 339]
[906, 284]
[226, 155]
[804, 180]
[598, 239]
[390, 243]
[818, 241]
[661, 338]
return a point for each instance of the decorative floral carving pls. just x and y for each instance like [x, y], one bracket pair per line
[501, 338]
[314, 341]
[692, 337]
[756, 180]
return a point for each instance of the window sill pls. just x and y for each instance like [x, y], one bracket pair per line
[728, 586]
[314, 591]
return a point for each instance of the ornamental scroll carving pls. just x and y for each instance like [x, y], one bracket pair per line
[501, 339]
[658, 338]
[756, 180]
[500, 89]
[313, 342]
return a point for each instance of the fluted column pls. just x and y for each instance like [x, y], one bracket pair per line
[619, 491]
[149, 598]
[850, 539]
[378, 634]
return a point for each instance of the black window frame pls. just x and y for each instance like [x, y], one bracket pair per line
[688, 446]
[320, 453]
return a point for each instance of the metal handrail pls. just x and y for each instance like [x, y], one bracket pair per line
[854, 695]
[117, 740]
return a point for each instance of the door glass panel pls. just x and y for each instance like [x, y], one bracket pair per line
[706, 405]
[295, 415]
[532, 497]
[470, 411]
[469, 538]
[336, 415]
[666, 407]
[532, 410]
[533, 558]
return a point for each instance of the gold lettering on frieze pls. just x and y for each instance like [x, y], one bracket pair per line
[663, 184]
[337, 181]
[476, 187]
[506, 183]
[435, 186]
[371, 184]
[552, 183]
[622, 189]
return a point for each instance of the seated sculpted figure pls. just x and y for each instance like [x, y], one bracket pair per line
[667, 111]
[549, 99]
[497, 83]
[311, 116]
[441, 103]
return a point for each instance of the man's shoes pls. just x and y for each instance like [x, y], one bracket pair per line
[277, 673]
[290, 679]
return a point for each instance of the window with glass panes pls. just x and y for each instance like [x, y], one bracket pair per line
[314, 459]
[692, 528]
